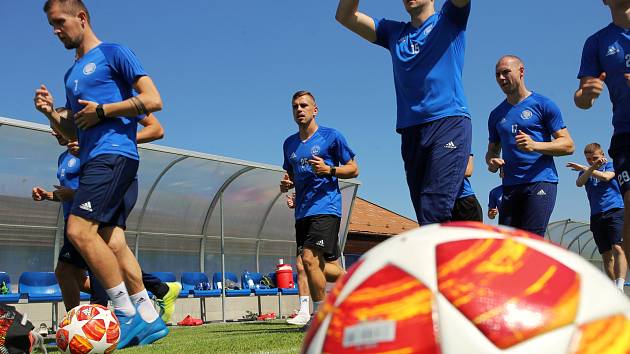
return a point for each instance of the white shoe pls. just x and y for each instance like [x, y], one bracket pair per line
[38, 342]
[300, 320]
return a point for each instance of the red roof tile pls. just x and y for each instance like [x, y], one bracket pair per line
[369, 218]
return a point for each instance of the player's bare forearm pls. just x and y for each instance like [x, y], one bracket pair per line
[147, 101]
[152, 130]
[470, 166]
[604, 176]
[494, 152]
[63, 125]
[561, 145]
[583, 178]
[349, 170]
[349, 16]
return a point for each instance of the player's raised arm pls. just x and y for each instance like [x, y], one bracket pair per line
[349, 16]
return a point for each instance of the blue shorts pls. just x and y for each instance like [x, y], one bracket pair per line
[435, 155]
[607, 228]
[69, 254]
[528, 206]
[108, 190]
[620, 153]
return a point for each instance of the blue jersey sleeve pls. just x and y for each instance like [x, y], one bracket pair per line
[384, 29]
[493, 133]
[608, 167]
[286, 165]
[457, 15]
[590, 65]
[343, 152]
[124, 63]
[553, 117]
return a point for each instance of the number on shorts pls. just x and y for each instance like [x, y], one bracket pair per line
[623, 177]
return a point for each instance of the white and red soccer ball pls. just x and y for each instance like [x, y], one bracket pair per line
[91, 329]
[469, 288]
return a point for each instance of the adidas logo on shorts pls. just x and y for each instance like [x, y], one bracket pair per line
[541, 192]
[450, 145]
[320, 243]
[87, 206]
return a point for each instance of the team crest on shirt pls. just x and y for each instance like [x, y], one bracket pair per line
[89, 68]
[293, 156]
[526, 114]
[428, 29]
[72, 162]
[315, 150]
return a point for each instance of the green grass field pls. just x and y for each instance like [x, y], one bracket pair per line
[244, 337]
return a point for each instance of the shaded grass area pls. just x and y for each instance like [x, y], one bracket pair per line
[245, 337]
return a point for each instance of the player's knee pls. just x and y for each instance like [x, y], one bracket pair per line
[77, 236]
[311, 260]
[608, 255]
[116, 245]
[617, 250]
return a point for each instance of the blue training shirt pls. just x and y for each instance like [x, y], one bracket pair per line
[428, 64]
[316, 195]
[495, 197]
[603, 196]
[68, 169]
[105, 74]
[536, 116]
[608, 51]
[466, 190]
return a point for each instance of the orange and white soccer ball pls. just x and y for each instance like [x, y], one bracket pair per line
[88, 329]
[469, 288]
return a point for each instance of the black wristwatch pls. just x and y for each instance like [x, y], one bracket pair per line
[333, 170]
[100, 112]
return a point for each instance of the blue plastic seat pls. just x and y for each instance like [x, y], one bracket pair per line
[166, 277]
[10, 297]
[261, 290]
[39, 287]
[216, 279]
[190, 279]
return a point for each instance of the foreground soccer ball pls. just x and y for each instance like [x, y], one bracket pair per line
[469, 288]
[88, 329]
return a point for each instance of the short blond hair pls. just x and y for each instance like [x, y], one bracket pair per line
[592, 148]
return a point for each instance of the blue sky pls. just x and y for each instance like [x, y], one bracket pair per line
[226, 71]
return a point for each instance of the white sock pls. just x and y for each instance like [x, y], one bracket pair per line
[316, 305]
[145, 307]
[304, 305]
[120, 300]
[620, 282]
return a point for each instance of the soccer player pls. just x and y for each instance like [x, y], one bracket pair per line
[529, 128]
[494, 201]
[604, 197]
[332, 272]
[433, 118]
[314, 158]
[99, 94]
[467, 207]
[71, 267]
[606, 58]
